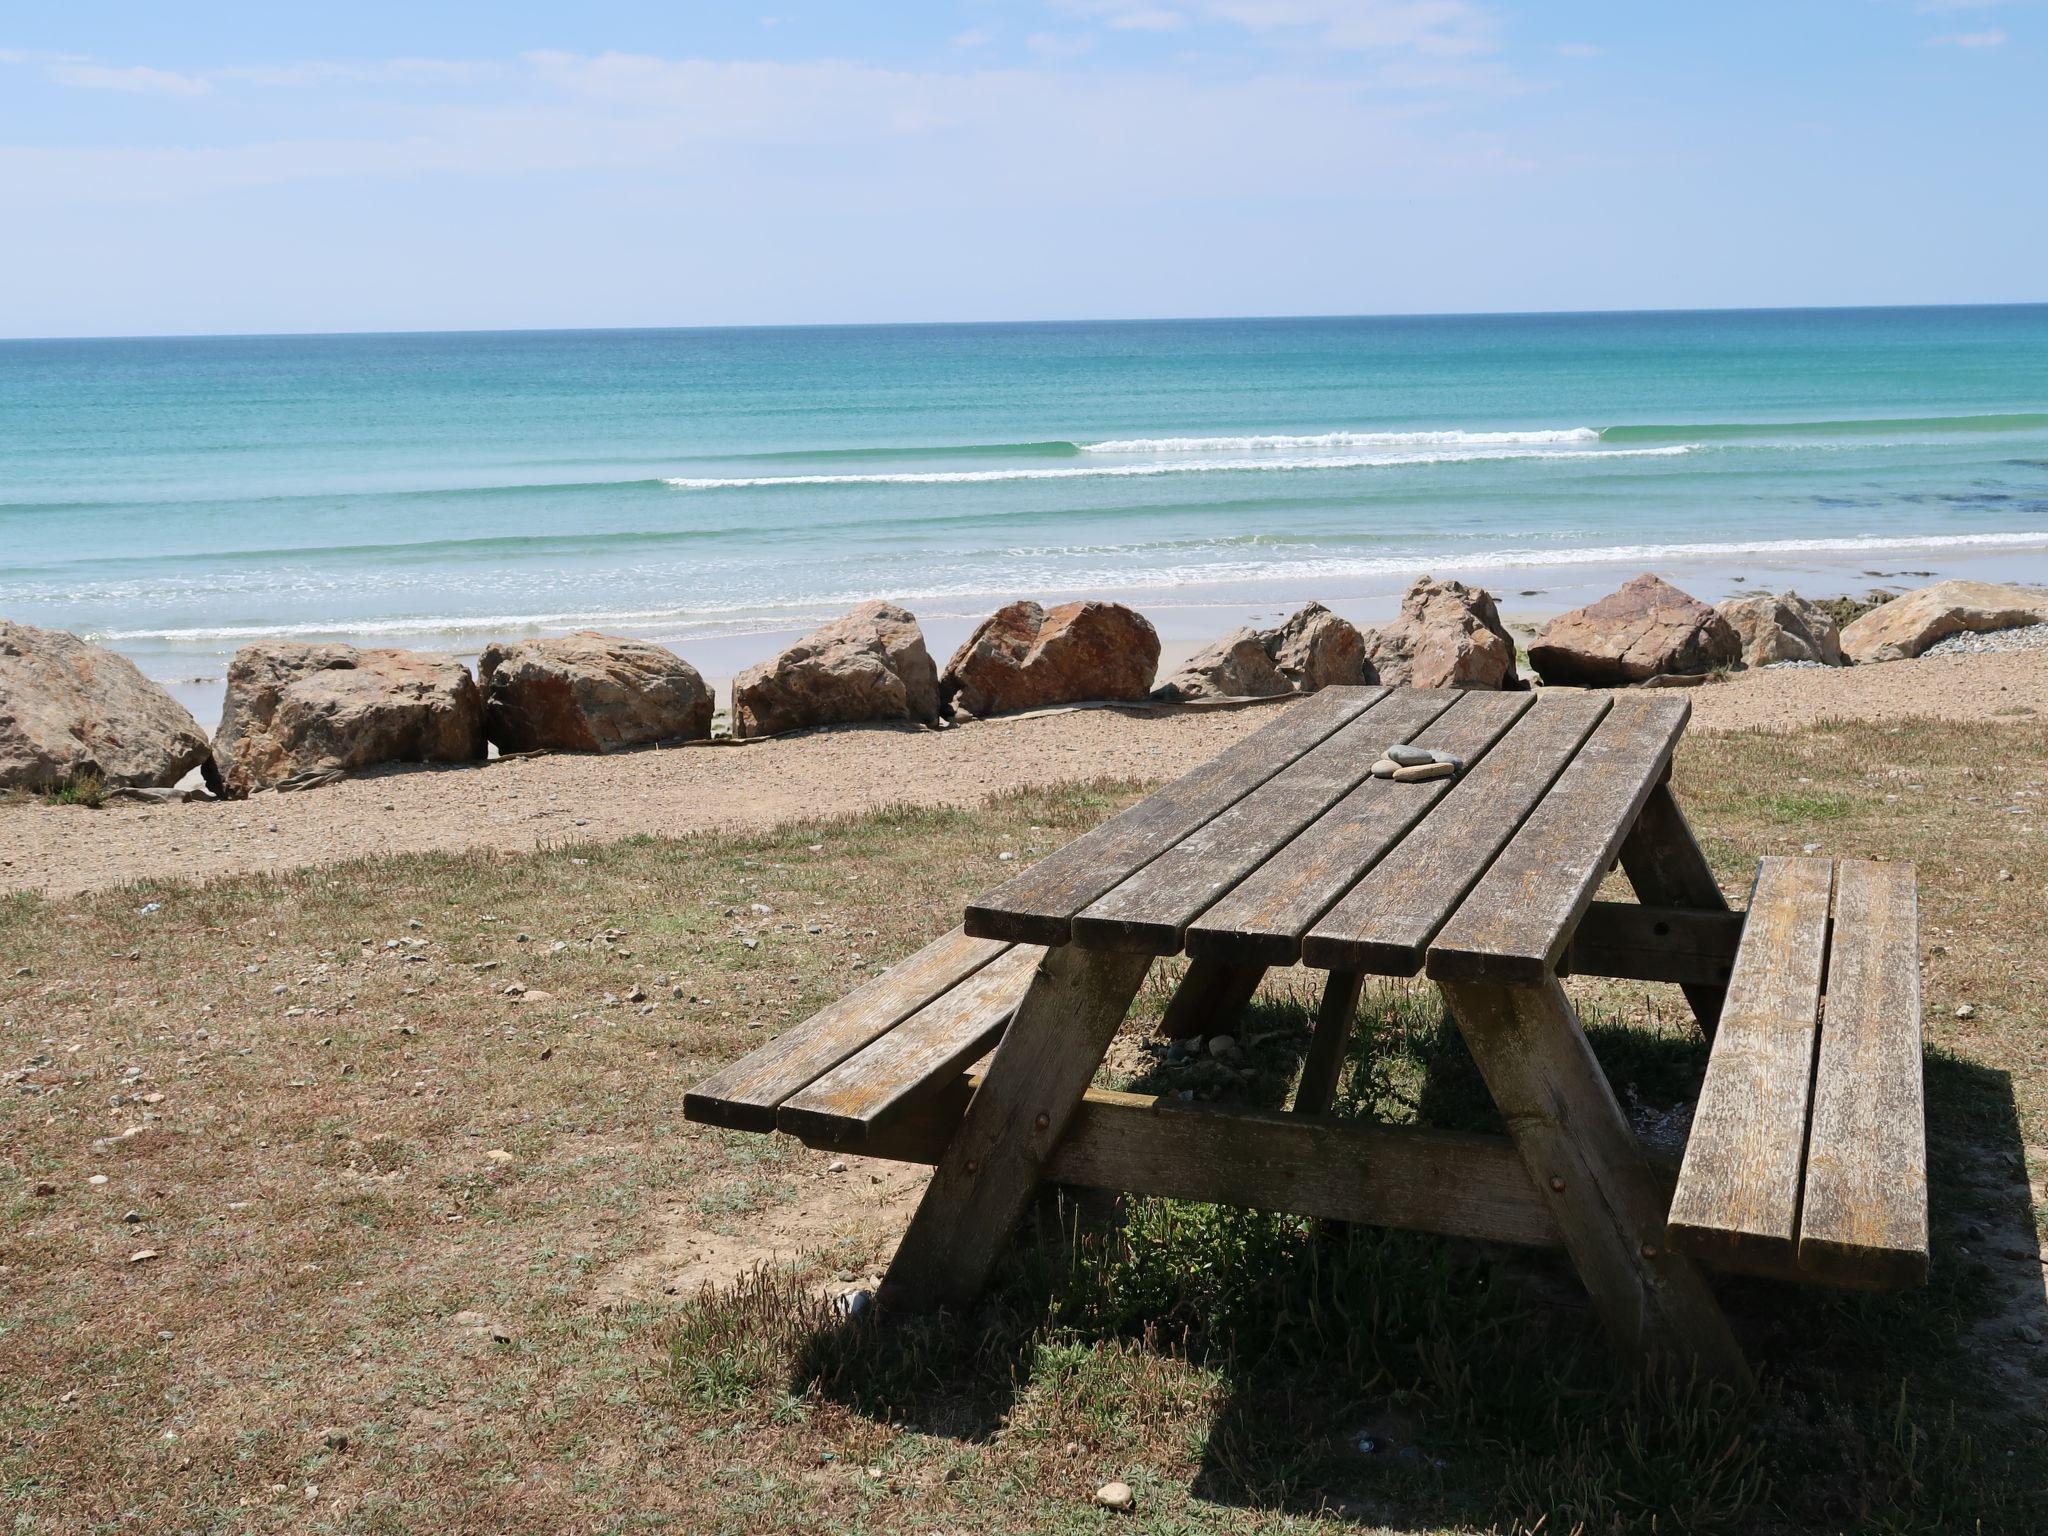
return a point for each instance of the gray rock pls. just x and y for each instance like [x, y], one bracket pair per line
[1781, 627]
[1447, 635]
[1235, 667]
[70, 710]
[295, 708]
[1316, 649]
[1407, 756]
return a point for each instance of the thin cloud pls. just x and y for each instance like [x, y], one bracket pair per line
[138, 78]
[1993, 38]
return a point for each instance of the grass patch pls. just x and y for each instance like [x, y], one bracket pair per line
[298, 1085]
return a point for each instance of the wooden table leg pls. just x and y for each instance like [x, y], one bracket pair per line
[1585, 1161]
[1324, 1064]
[1666, 867]
[1209, 998]
[985, 1178]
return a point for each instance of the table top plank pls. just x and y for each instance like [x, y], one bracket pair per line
[1738, 1189]
[1148, 911]
[1038, 905]
[1263, 919]
[1385, 922]
[922, 1053]
[1864, 1221]
[1514, 925]
[744, 1096]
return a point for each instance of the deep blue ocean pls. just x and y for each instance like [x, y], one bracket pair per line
[176, 497]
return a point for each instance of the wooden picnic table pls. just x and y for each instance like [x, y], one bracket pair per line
[1284, 850]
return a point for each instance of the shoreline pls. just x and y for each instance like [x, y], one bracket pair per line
[517, 805]
[1188, 616]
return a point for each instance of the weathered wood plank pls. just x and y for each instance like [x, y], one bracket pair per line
[1454, 1183]
[744, 1095]
[1514, 924]
[1264, 917]
[1148, 910]
[1037, 906]
[1324, 1064]
[1686, 945]
[1449, 1182]
[1864, 1222]
[990, 1169]
[1666, 868]
[1738, 1188]
[1386, 921]
[918, 1056]
[1209, 998]
[1584, 1162]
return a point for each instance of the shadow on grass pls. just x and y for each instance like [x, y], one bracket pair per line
[1409, 1381]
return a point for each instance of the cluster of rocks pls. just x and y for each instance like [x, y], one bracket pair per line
[299, 714]
[1649, 632]
[1447, 635]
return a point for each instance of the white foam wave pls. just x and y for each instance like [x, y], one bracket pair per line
[1056, 578]
[1140, 471]
[1329, 440]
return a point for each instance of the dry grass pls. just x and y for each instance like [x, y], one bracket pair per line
[298, 1095]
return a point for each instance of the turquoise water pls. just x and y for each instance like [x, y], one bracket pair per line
[177, 497]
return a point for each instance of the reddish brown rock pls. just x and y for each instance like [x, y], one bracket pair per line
[1646, 629]
[70, 711]
[293, 708]
[1448, 635]
[870, 664]
[1236, 667]
[1026, 657]
[588, 692]
[1316, 649]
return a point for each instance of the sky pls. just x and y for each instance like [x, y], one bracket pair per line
[230, 167]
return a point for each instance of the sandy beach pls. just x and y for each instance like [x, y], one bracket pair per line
[532, 802]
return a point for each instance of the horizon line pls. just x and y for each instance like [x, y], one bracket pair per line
[873, 325]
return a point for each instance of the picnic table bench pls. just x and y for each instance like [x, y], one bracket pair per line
[1806, 1160]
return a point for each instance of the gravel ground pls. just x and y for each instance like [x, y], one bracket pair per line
[529, 802]
[2028, 637]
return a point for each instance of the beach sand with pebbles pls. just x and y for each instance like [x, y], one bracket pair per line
[529, 802]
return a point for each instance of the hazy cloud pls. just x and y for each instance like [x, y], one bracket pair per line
[1988, 39]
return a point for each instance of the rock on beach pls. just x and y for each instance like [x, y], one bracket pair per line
[294, 707]
[588, 692]
[1447, 635]
[1023, 656]
[1908, 625]
[70, 710]
[870, 664]
[1775, 627]
[1646, 629]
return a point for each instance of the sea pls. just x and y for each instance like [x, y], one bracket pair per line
[720, 490]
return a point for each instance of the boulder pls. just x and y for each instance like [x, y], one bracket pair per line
[1646, 629]
[293, 708]
[1316, 649]
[1447, 635]
[1906, 626]
[1236, 667]
[1025, 657]
[588, 692]
[1783, 626]
[870, 664]
[70, 710]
